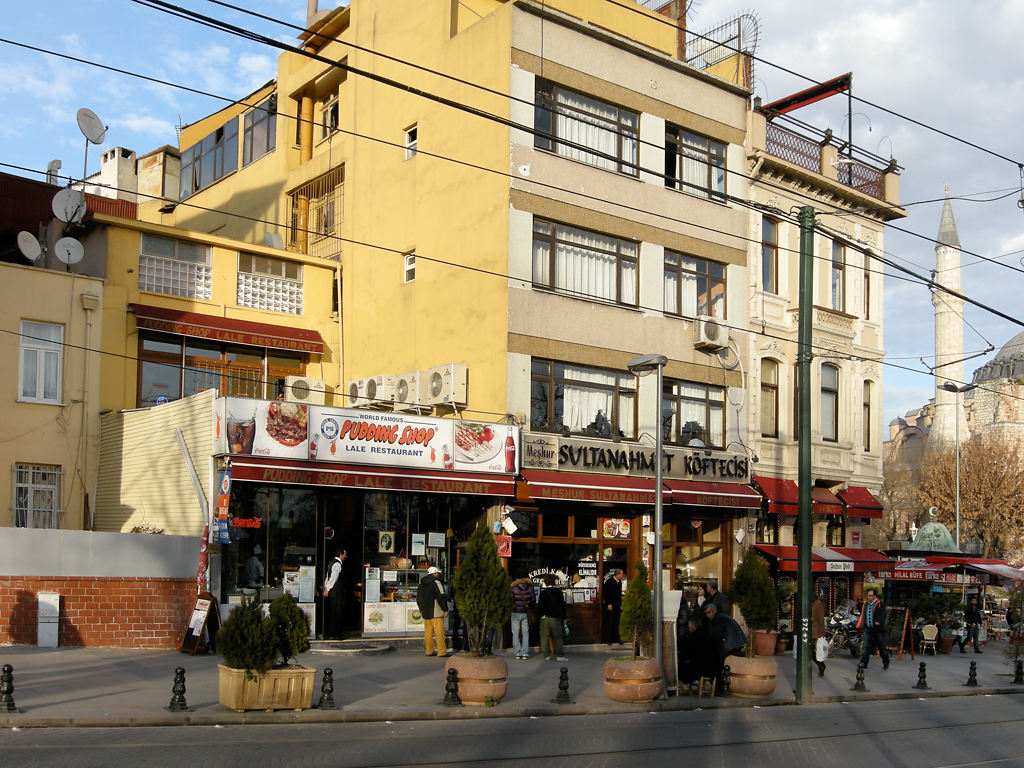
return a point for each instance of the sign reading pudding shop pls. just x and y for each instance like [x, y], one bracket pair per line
[353, 436]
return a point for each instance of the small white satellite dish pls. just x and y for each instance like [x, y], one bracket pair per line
[91, 126]
[29, 246]
[69, 251]
[69, 205]
[273, 240]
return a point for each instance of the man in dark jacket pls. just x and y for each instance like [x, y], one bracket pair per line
[972, 618]
[433, 604]
[872, 621]
[611, 599]
[727, 637]
[523, 600]
[716, 598]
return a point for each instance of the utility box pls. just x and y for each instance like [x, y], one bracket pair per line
[49, 619]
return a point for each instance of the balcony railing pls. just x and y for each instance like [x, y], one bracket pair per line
[806, 153]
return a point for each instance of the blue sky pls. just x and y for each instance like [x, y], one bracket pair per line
[949, 64]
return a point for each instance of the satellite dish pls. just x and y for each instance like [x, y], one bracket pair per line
[69, 205]
[273, 240]
[29, 246]
[91, 126]
[69, 251]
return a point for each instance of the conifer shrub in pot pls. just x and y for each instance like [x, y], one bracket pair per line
[637, 677]
[483, 594]
[257, 649]
[752, 591]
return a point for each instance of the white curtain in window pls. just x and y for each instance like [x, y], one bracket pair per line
[672, 292]
[689, 286]
[692, 406]
[580, 402]
[693, 164]
[580, 267]
[595, 128]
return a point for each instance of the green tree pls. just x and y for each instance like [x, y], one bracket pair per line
[246, 639]
[290, 626]
[483, 588]
[637, 619]
[751, 589]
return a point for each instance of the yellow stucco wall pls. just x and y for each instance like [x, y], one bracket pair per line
[61, 435]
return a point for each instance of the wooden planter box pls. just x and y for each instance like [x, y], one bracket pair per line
[288, 688]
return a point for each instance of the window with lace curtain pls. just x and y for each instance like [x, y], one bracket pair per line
[581, 400]
[693, 411]
[693, 163]
[570, 123]
[583, 263]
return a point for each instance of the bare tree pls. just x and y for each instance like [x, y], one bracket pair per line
[991, 489]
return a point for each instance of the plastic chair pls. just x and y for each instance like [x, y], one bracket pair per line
[929, 636]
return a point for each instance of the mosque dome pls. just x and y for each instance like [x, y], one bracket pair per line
[1007, 364]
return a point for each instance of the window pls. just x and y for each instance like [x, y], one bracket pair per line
[769, 398]
[410, 141]
[838, 277]
[829, 402]
[694, 163]
[41, 357]
[259, 130]
[170, 365]
[174, 267]
[867, 416]
[834, 533]
[211, 159]
[769, 255]
[268, 283]
[586, 129]
[329, 114]
[317, 212]
[694, 286]
[582, 400]
[584, 263]
[409, 273]
[36, 496]
[693, 411]
[867, 289]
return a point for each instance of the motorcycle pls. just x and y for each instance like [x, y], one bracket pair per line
[841, 630]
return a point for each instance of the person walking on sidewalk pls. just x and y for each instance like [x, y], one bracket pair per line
[611, 599]
[872, 621]
[820, 645]
[522, 600]
[334, 591]
[552, 616]
[972, 618]
[433, 604]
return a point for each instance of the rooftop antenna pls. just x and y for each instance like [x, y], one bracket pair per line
[29, 246]
[94, 131]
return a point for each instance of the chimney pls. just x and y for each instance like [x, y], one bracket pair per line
[676, 10]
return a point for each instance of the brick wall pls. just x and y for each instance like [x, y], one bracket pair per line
[99, 611]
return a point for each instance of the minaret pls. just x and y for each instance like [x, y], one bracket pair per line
[949, 332]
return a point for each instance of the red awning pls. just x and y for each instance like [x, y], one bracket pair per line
[228, 329]
[824, 502]
[860, 502]
[256, 470]
[828, 559]
[782, 495]
[910, 570]
[694, 493]
[576, 486]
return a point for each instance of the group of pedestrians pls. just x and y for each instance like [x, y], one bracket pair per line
[546, 612]
[706, 635]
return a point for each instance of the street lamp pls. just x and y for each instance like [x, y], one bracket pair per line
[949, 386]
[641, 366]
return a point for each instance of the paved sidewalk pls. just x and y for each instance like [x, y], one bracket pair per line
[116, 687]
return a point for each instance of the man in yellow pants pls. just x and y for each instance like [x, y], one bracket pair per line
[433, 605]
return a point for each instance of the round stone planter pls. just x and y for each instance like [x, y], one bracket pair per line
[483, 680]
[752, 678]
[632, 680]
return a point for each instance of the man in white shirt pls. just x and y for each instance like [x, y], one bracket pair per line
[254, 570]
[334, 591]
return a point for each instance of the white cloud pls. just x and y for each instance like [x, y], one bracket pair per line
[144, 124]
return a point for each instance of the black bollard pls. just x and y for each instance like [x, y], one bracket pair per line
[1018, 672]
[7, 689]
[178, 703]
[972, 676]
[859, 684]
[922, 679]
[726, 680]
[327, 691]
[562, 697]
[451, 689]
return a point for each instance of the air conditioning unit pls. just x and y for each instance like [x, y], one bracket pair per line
[408, 390]
[356, 391]
[302, 389]
[380, 390]
[446, 384]
[709, 333]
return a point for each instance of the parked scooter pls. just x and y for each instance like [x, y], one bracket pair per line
[841, 629]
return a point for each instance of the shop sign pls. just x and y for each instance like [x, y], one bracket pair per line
[223, 503]
[633, 459]
[616, 527]
[244, 426]
[587, 569]
[839, 565]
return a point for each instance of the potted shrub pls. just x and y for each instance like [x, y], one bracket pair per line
[637, 677]
[751, 590]
[483, 595]
[257, 649]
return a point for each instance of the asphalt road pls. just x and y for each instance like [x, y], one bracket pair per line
[932, 733]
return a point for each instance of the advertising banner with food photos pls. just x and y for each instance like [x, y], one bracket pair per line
[321, 433]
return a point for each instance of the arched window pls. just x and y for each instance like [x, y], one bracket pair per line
[769, 398]
[867, 416]
[829, 402]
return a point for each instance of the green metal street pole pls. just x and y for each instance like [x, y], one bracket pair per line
[803, 525]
